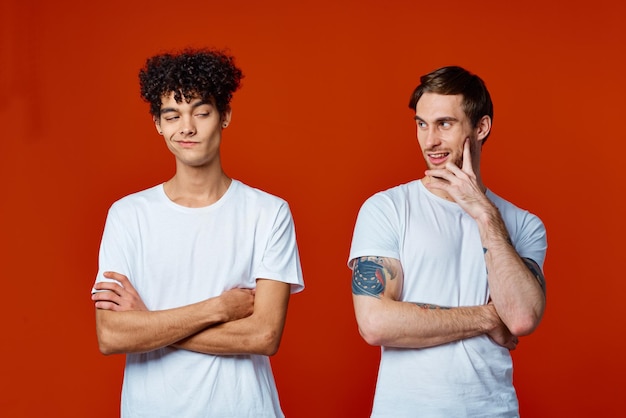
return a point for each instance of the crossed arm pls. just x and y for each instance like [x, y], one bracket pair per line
[259, 333]
[239, 321]
[516, 284]
[384, 320]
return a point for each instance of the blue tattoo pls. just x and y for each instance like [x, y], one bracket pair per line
[485, 252]
[430, 306]
[368, 278]
[536, 271]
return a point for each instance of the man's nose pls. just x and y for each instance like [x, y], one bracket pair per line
[430, 137]
[187, 127]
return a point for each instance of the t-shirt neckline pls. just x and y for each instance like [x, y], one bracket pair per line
[234, 184]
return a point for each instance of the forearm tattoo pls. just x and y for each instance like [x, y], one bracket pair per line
[485, 253]
[536, 271]
[430, 306]
[533, 267]
[369, 276]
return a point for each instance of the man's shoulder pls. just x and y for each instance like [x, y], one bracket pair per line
[395, 193]
[517, 219]
[256, 195]
[506, 206]
[151, 194]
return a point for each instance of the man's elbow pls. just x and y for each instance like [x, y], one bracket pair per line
[107, 351]
[525, 324]
[372, 331]
[268, 342]
[106, 346]
[522, 319]
[108, 342]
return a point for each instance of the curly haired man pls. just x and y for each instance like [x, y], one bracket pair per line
[195, 274]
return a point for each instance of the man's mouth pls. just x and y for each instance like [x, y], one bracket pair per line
[439, 157]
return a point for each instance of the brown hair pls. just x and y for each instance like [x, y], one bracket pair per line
[455, 80]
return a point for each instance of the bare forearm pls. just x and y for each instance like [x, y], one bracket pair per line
[384, 320]
[259, 333]
[408, 325]
[244, 336]
[515, 291]
[142, 331]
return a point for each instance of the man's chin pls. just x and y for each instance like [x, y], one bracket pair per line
[431, 166]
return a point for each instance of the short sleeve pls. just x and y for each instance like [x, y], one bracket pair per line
[281, 260]
[116, 247]
[376, 230]
[531, 241]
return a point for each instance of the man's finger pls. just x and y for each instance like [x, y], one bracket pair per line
[116, 276]
[108, 287]
[439, 174]
[467, 156]
[106, 305]
[105, 295]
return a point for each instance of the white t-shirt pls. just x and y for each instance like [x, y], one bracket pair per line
[175, 256]
[439, 247]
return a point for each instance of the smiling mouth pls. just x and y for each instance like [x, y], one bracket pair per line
[438, 157]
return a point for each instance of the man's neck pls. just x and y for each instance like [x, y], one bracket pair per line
[197, 187]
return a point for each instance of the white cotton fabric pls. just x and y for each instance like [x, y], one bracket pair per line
[439, 247]
[175, 256]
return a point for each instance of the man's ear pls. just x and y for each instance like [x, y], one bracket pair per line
[226, 117]
[157, 125]
[483, 128]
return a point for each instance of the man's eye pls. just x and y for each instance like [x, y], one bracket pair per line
[171, 118]
[421, 124]
[202, 114]
[445, 124]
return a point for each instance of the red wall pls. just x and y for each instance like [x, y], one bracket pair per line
[322, 121]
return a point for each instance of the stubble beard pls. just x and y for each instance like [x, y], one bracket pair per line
[458, 161]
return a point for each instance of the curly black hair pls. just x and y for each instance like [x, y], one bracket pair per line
[207, 74]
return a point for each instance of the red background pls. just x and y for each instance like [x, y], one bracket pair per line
[322, 121]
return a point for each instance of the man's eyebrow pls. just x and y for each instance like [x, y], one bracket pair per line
[167, 110]
[201, 103]
[441, 119]
[195, 105]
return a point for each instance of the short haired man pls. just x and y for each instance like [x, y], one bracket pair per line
[446, 274]
[195, 274]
